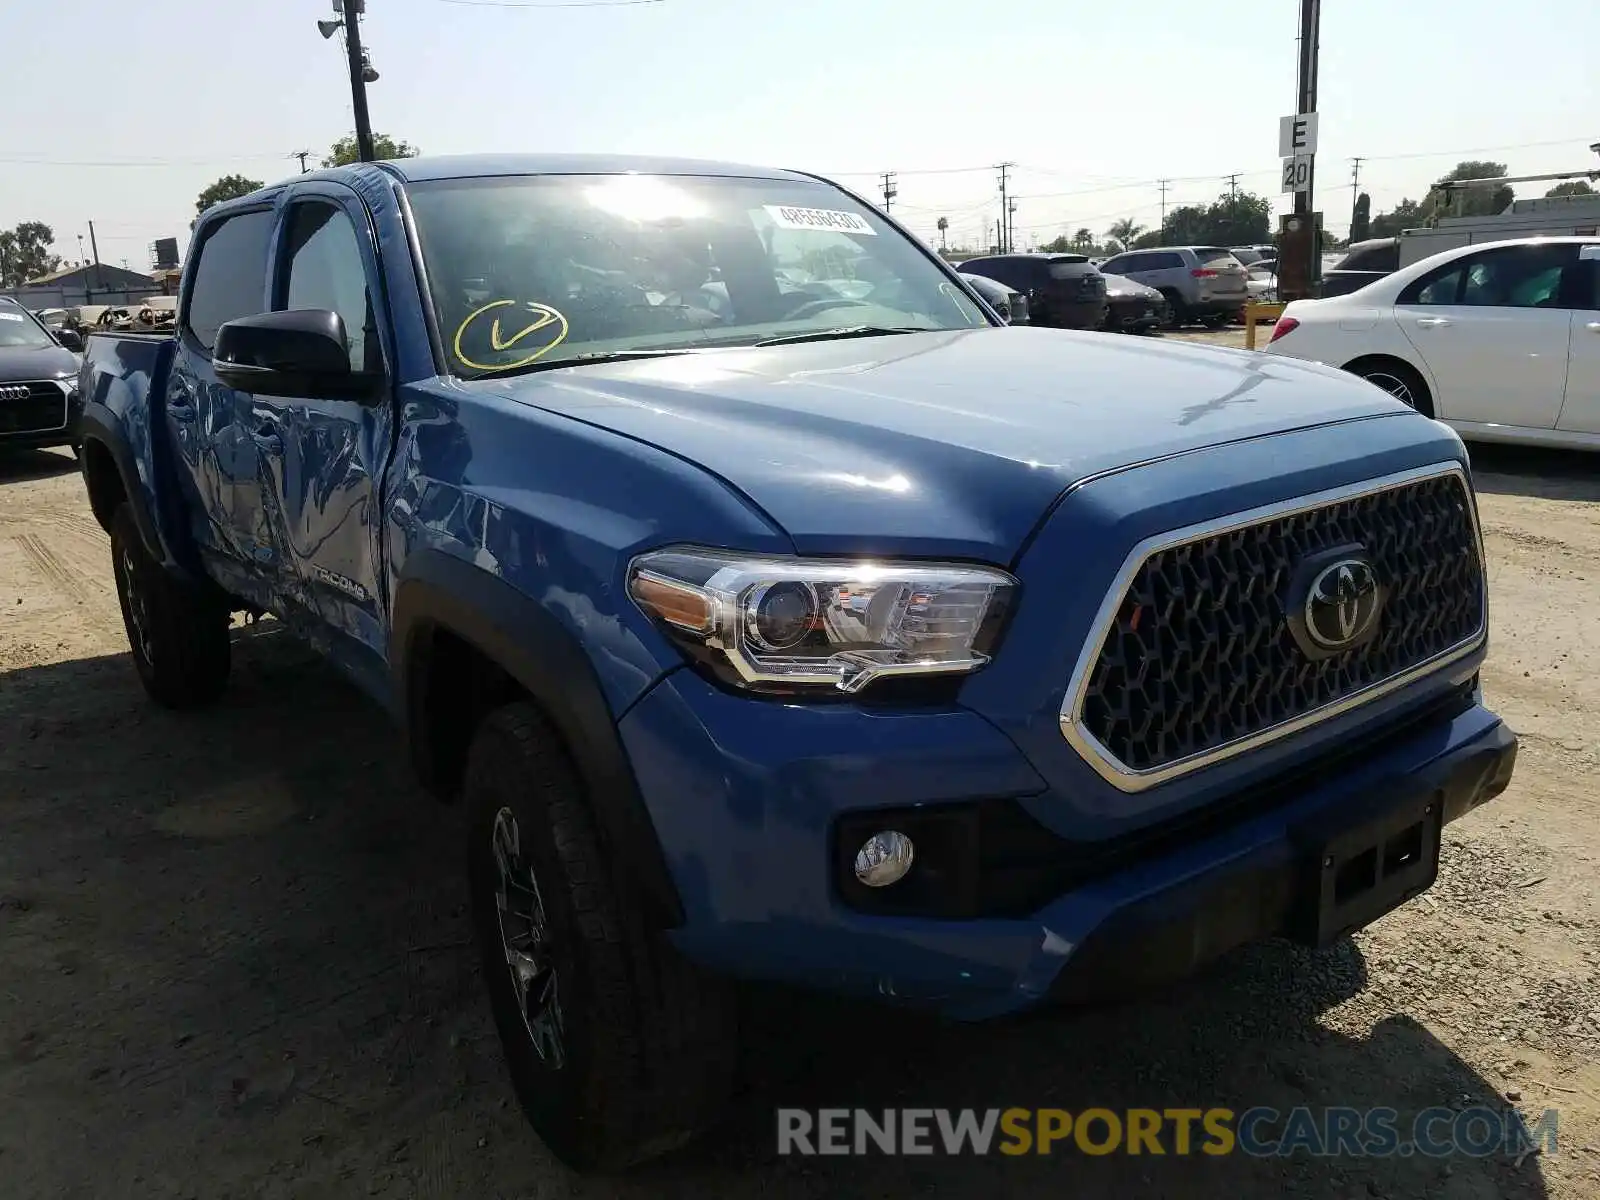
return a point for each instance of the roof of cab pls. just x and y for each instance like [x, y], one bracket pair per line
[467, 166]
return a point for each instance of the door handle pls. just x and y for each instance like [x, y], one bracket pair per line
[1433, 322]
[267, 440]
[1593, 326]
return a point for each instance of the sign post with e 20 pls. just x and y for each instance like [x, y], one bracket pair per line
[1297, 173]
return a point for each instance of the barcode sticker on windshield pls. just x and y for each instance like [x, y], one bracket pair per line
[827, 219]
[5, 316]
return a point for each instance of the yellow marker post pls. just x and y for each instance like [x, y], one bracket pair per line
[1254, 312]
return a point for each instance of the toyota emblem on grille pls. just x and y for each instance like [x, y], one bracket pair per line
[14, 391]
[1342, 604]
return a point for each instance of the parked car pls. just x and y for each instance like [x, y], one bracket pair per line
[1246, 254]
[1500, 341]
[1131, 307]
[1361, 264]
[40, 405]
[52, 318]
[1063, 290]
[1010, 304]
[848, 642]
[1263, 282]
[1200, 283]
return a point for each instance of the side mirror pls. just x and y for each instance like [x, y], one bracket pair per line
[69, 339]
[301, 353]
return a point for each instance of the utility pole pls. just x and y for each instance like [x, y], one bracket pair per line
[1006, 209]
[1163, 184]
[1310, 23]
[94, 249]
[1355, 185]
[890, 191]
[1233, 185]
[302, 155]
[358, 83]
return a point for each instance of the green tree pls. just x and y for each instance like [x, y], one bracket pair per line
[1405, 215]
[1473, 202]
[1361, 219]
[345, 150]
[1057, 245]
[1147, 240]
[25, 253]
[1083, 242]
[1572, 187]
[229, 187]
[1123, 232]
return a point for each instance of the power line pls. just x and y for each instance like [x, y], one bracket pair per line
[890, 191]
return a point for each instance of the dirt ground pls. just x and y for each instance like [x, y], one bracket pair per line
[234, 959]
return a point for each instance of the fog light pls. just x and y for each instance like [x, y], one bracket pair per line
[884, 858]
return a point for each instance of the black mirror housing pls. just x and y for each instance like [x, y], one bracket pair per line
[304, 352]
[69, 339]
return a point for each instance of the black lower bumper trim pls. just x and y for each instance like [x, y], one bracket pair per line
[1276, 894]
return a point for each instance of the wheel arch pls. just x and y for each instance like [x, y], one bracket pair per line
[111, 477]
[1427, 405]
[463, 642]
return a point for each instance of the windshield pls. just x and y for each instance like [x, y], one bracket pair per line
[18, 330]
[556, 268]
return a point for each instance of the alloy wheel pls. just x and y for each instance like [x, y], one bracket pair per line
[525, 938]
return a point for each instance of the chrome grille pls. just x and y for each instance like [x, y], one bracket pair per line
[1194, 660]
[35, 406]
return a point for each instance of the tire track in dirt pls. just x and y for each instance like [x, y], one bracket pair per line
[55, 572]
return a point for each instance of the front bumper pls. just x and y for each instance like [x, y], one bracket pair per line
[746, 795]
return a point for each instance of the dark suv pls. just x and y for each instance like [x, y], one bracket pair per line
[1063, 290]
[39, 402]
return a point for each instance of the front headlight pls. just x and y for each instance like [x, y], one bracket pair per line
[787, 624]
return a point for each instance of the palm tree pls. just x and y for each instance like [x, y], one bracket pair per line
[944, 224]
[1125, 231]
[1083, 240]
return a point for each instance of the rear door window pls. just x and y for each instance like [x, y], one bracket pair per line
[1165, 262]
[230, 276]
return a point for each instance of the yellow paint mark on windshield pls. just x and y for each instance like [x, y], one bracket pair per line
[523, 319]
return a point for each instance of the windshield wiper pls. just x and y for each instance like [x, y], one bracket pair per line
[578, 360]
[844, 331]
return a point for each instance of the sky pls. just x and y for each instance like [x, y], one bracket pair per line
[130, 109]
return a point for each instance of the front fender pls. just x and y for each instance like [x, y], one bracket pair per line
[530, 644]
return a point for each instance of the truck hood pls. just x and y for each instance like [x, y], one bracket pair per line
[942, 444]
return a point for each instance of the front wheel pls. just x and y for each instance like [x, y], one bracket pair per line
[618, 1048]
[177, 633]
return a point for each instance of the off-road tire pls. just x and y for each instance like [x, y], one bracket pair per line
[650, 1042]
[178, 634]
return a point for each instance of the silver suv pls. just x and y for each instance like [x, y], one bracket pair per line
[1201, 283]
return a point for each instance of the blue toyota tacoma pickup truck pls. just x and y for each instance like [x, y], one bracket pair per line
[779, 615]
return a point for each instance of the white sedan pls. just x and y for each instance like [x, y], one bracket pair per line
[1500, 340]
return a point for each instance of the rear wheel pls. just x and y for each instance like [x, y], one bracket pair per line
[178, 634]
[1398, 379]
[619, 1049]
[1177, 310]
